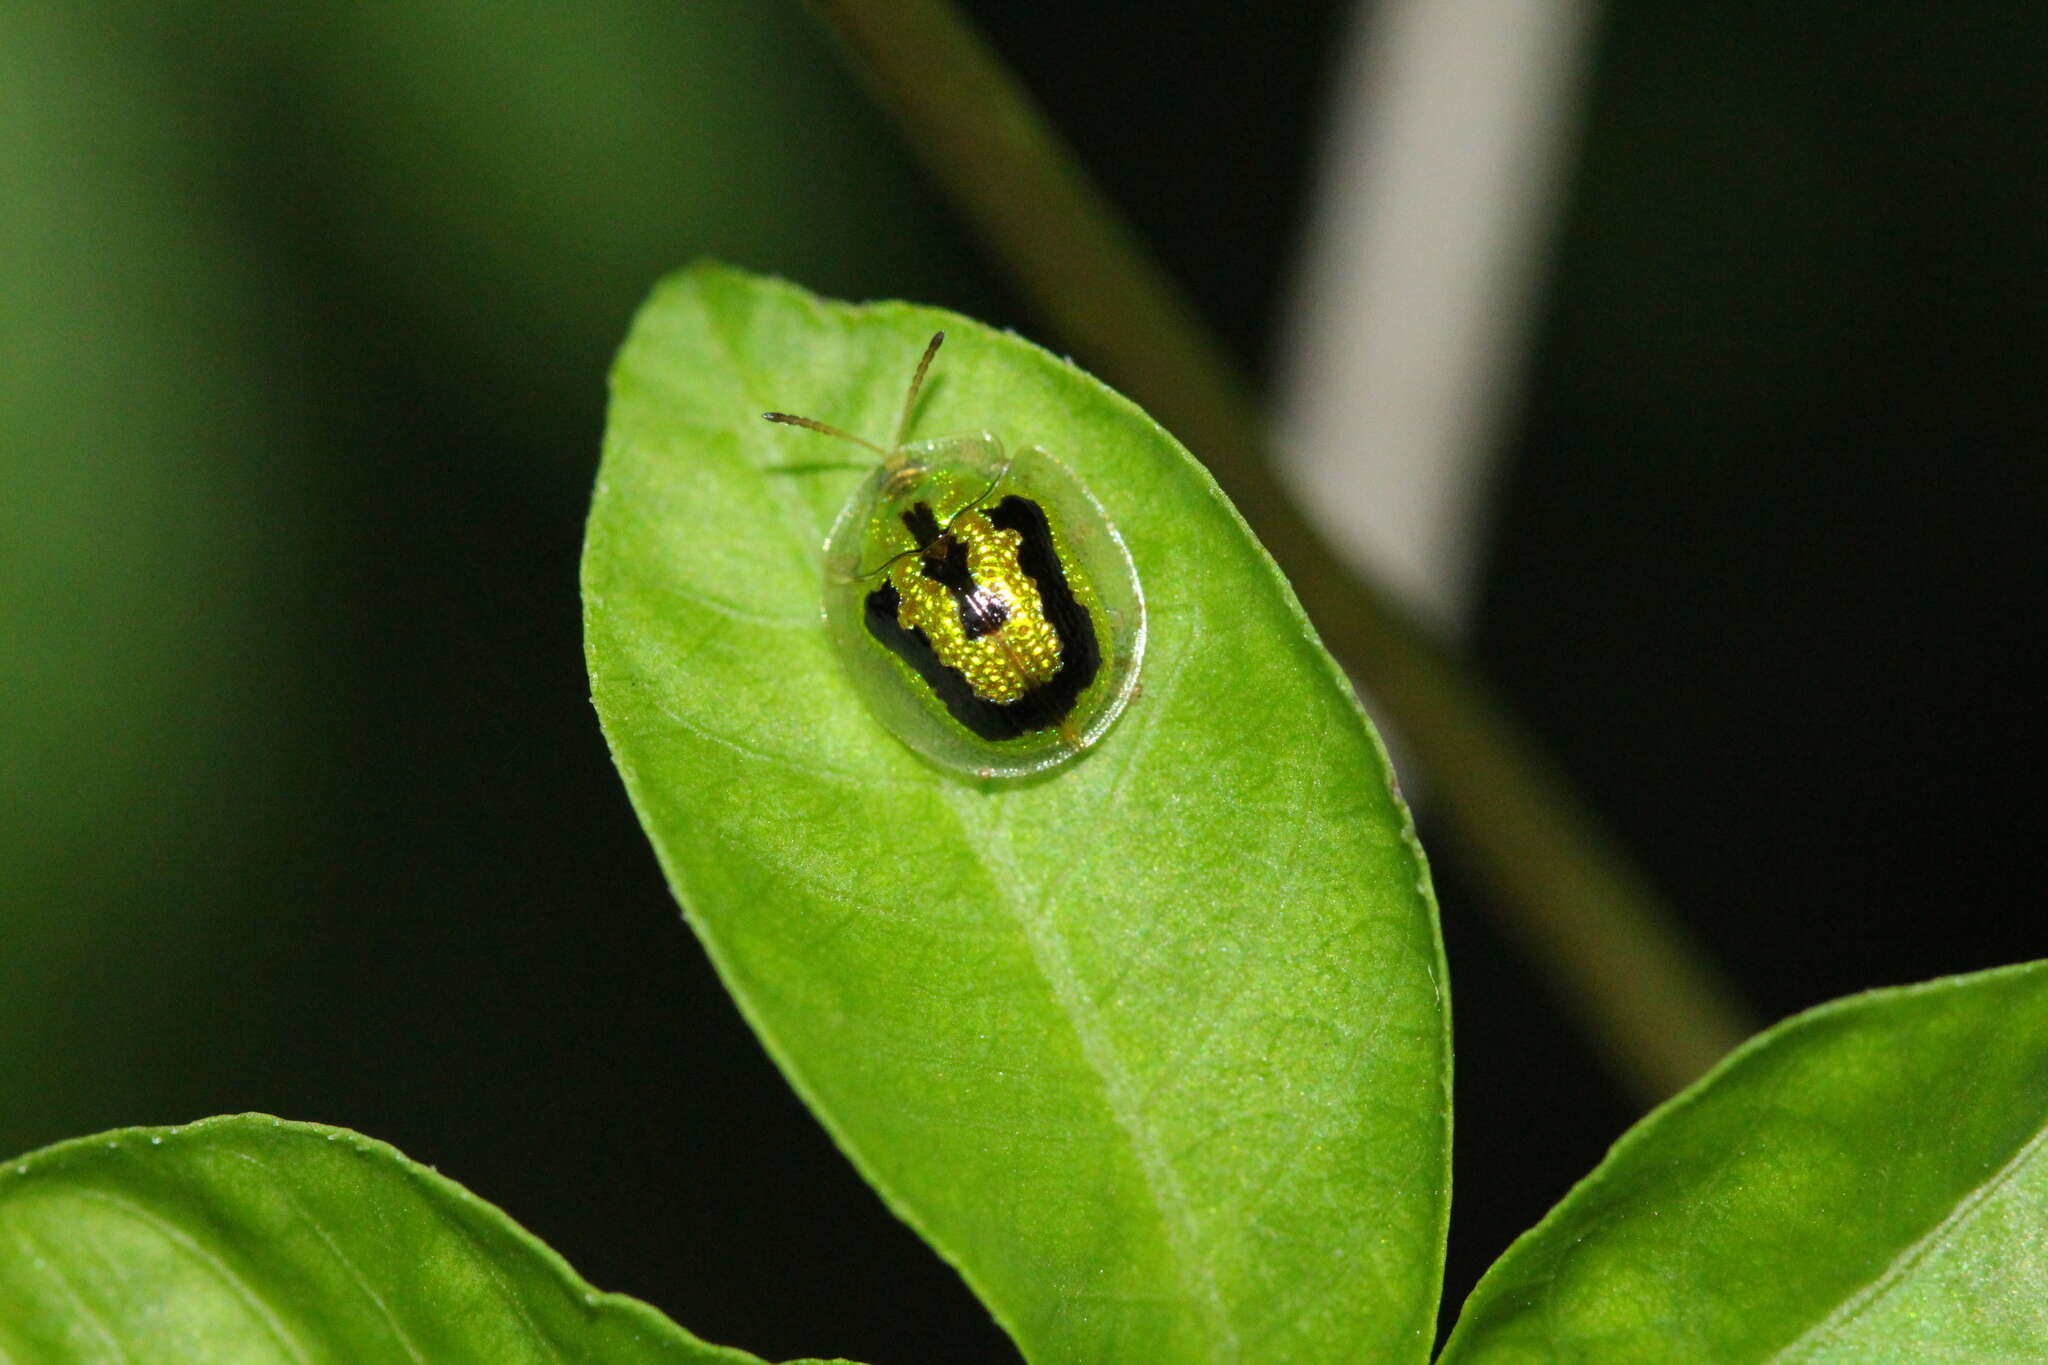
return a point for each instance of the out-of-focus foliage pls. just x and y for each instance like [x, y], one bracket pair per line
[517, 173]
[147, 565]
[174, 415]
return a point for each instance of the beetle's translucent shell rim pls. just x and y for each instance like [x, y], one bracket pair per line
[953, 471]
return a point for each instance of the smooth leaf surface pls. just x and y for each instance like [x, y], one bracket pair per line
[251, 1239]
[1864, 1182]
[1154, 1049]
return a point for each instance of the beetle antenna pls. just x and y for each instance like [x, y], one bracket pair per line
[891, 562]
[983, 496]
[916, 382]
[813, 424]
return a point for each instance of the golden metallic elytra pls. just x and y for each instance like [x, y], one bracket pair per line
[986, 609]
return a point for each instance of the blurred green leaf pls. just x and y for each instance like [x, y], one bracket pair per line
[152, 578]
[1155, 1049]
[1863, 1182]
[250, 1239]
[514, 173]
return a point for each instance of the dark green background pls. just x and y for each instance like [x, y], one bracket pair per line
[306, 318]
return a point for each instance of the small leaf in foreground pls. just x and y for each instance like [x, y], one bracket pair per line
[1864, 1182]
[251, 1239]
[1153, 1047]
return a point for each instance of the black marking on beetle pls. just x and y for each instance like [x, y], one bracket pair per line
[943, 560]
[922, 525]
[1080, 651]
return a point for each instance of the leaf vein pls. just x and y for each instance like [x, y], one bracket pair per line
[1894, 1274]
[236, 1283]
[1126, 1106]
[362, 1281]
[38, 1256]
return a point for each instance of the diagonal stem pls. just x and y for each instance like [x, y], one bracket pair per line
[1646, 995]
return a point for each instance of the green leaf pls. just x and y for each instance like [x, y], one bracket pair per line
[1154, 1049]
[1863, 1182]
[250, 1239]
[477, 149]
[154, 557]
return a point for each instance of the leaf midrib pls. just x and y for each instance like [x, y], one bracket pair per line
[1965, 1208]
[1054, 967]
